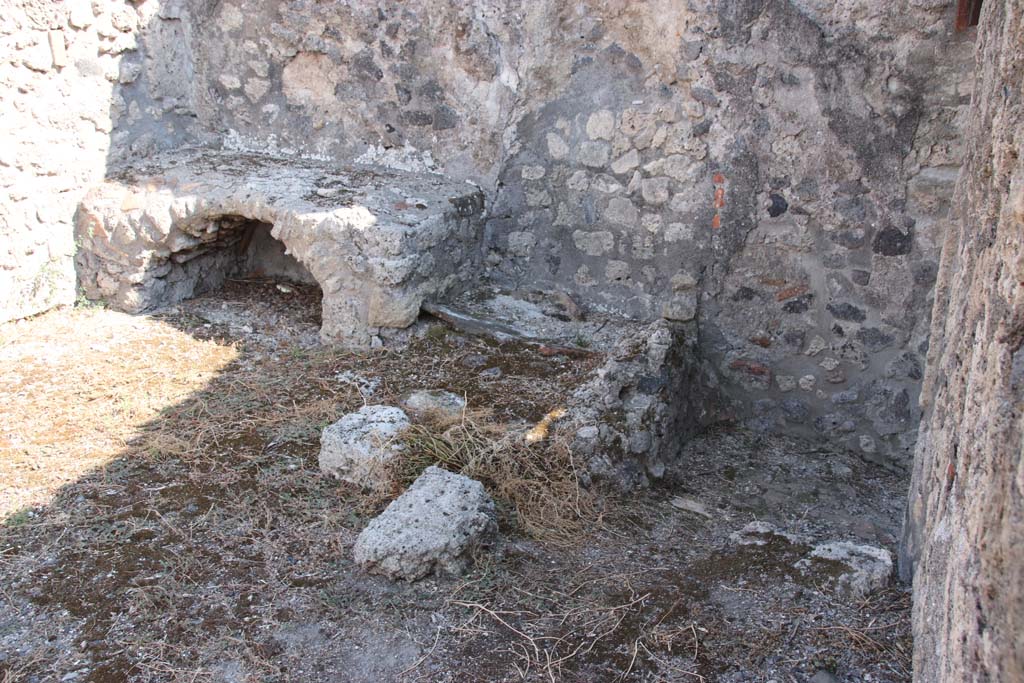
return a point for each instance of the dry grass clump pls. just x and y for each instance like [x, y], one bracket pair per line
[540, 482]
[879, 628]
[551, 633]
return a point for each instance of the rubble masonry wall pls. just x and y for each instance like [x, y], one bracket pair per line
[778, 171]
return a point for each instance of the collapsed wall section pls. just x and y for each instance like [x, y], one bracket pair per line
[641, 406]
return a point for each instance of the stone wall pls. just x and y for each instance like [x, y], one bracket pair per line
[778, 171]
[965, 525]
[423, 85]
[80, 82]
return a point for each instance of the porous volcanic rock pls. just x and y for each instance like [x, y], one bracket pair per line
[435, 526]
[356, 447]
[436, 403]
[964, 533]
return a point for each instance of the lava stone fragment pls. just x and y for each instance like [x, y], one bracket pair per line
[853, 209]
[845, 397]
[744, 294]
[851, 187]
[795, 338]
[704, 95]
[798, 304]
[445, 118]
[580, 62]
[851, 239]
[846, 311]
[778, 206]
[365, 68]
[651, 385]
[905, 366]
[892, 242]
[795, 410]
[416, 117]
[431, 90]
[860, 277]
[873, 338]
[834, 261]
[901, 406]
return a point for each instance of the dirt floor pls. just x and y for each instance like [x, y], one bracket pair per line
[164, 519]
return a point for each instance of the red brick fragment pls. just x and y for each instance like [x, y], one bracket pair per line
[750, 367]
[790, 292]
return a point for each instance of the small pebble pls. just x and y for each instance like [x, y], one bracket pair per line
[474, 360]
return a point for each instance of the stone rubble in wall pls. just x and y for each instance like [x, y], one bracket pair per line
[35, 261]
[95, 55]
[688, 157]
[707, 176]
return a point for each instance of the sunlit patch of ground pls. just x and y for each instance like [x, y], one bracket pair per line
[78, 384]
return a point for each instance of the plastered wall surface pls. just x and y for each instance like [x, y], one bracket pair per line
[964, 532]
[81, 83]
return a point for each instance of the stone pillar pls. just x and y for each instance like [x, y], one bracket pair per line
[964, 533]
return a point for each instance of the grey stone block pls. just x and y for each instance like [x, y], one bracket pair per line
[434, 527]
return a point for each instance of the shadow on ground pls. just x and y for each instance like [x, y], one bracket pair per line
[166, 521]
